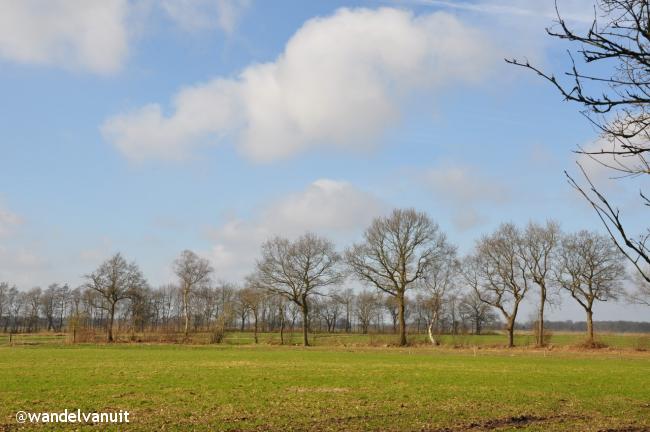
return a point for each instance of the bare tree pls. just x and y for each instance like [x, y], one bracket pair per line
[395, 252]
[346, 299]
[252, 297]
[497, 272]
[539, 247]
[438, 281]
[366, 307]
[330, 310]
[4, 303]
[298, 270]
[114, 281]
[615, 96]
[591, 269]
[192, 271]
[33, 300]
[479, 313]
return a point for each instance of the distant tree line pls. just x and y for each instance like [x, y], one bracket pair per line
[604, 326]
[412, 280]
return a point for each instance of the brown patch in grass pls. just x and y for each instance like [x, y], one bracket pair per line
[509, 422]
[319, 389]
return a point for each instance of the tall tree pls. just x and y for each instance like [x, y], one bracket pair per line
[395, 253]
[438, 281]
[612, 84]
[114, 280]
[298, 270]
[539, 247]
[497, 273]
[192, 271]
[591, 269]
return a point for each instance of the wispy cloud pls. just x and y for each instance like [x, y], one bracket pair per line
[576, 10]
[466, 191]
[195, 15]
[331, 207]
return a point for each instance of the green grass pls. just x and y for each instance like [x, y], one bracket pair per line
[176, 387]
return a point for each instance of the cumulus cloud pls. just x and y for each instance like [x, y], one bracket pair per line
[87, 34]
[193, 15]
[329, 207]
[464, 189]
[339, 82]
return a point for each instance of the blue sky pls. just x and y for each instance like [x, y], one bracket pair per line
[150, 127]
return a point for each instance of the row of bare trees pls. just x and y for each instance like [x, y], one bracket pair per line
[219, 305]
[403, 261]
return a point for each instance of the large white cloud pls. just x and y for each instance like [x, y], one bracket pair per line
[339, 82]
[87, 34]
[333, 208]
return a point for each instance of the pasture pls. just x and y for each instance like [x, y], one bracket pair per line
[322, 388]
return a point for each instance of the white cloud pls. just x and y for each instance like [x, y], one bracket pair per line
[87, 34]
[600, 164]
[8, 222]
[193, 15]
[464, 189]
[573, 10]
[329, 207]
[340, 82]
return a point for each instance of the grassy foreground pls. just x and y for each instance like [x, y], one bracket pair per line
[175, 387]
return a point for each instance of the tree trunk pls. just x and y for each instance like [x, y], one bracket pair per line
[590, 326]
[540, 324]
[110, 322]
[305, 321]
[402, 319]
[511, 332]
[282, 331]
[430, 330]
[255, 330]
[186, 311]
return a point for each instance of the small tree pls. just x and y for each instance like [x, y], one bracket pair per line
[114, 280]
[366, 307]
[477, 312]
[252, 297]
[192, 271]
[395, 253]
[298, 270]
[591, 269]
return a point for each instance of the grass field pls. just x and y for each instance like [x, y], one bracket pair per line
[179, 387]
